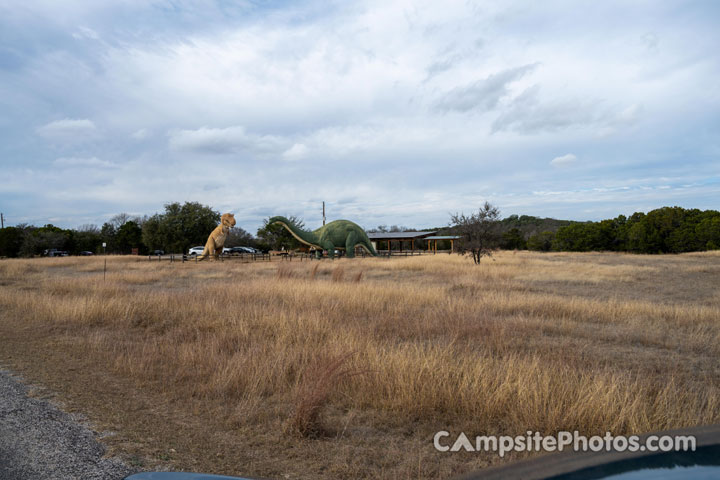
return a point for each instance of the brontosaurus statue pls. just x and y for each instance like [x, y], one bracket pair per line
[339, 234]
[216, 240]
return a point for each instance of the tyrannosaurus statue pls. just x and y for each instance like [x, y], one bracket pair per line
[339, 234]
[216, 240]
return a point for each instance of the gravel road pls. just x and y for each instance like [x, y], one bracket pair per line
[39, 441]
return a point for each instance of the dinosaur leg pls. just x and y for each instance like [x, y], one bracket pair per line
[330, 247]
[350, 242]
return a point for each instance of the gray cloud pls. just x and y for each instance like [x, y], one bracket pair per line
[484, 94]
[225, 141]
[527, 114]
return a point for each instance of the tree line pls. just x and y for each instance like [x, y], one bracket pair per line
[181, 226]
[178, 228]
[663, 230]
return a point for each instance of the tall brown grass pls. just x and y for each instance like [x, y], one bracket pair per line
[588, 342]
[313, 391]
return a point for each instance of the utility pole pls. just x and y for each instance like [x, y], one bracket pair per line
[2, 221]
[323, 213]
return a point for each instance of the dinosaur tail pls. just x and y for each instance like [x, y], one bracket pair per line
[367, 244]
[205, 254]
[308, 238]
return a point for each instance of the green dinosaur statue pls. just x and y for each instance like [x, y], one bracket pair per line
[339, 234]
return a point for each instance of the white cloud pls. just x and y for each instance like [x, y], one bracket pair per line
[83, 162]
[297, 152]
[68, 130]
[141, 134]
[563, 160]
[630, 114]
[85, 32]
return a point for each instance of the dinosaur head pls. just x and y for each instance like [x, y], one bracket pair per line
[228, 219]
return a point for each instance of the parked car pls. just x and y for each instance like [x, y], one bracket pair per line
[240, 250]
[86, 253]
[196, 251]
[158, 252]
[54, 252]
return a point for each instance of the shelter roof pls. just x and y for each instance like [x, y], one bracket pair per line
[397, 235]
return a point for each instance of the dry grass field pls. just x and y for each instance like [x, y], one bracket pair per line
[346, 368]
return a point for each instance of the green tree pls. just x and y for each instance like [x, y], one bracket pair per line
[11, 240]
[513, 239]
[87, 239]
[129, 236]
[708, 231]
[37, 240]
[542, 242]
[152, 236]
[180, 227]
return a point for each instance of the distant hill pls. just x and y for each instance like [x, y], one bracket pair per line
[526, 224]
[530, 225]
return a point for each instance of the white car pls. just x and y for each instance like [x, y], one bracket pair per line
[196, 251]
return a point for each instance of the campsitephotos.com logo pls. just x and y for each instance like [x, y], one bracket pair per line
[536, 442]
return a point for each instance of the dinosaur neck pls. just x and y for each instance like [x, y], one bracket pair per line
[308, 238]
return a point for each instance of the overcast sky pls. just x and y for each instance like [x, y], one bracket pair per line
[392, 112]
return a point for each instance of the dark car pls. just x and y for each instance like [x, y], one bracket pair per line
[158, 252]
[86, 253]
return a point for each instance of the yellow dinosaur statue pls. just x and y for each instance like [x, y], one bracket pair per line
[216, 240]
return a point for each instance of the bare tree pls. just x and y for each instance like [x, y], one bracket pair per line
[119, 220]
[479, 232]
[88, 228]
[386, 229]
[239, 237]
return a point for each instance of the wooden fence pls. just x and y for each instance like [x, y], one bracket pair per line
[276, 256]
